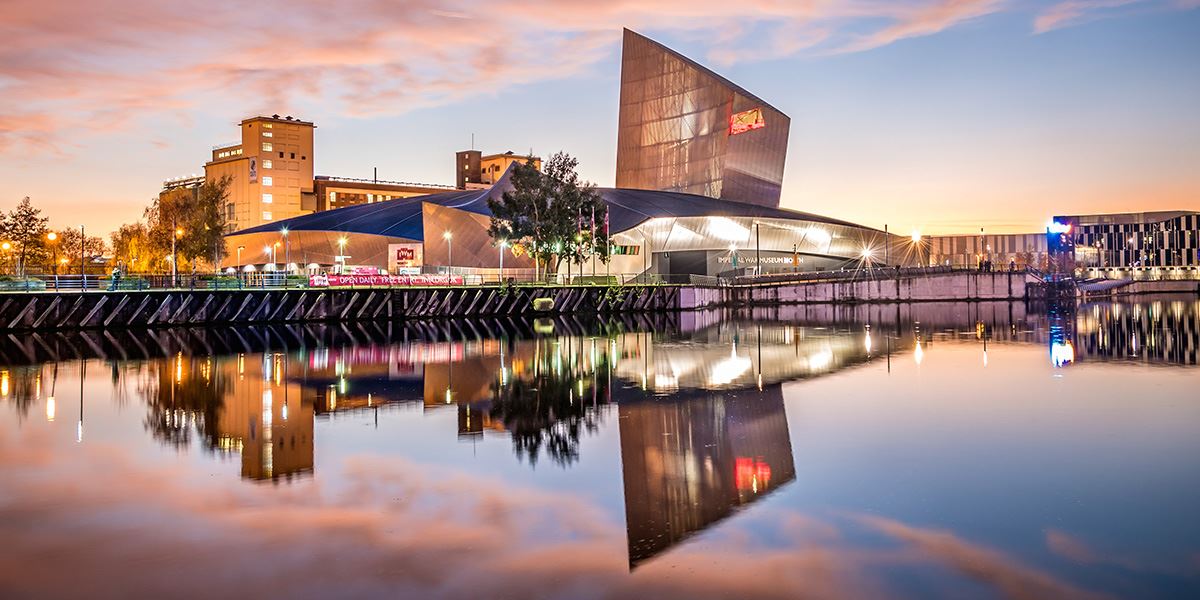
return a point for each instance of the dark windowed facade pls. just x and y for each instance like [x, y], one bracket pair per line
[683, 128]
[1155, 239]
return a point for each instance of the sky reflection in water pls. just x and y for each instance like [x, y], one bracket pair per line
[914, 451]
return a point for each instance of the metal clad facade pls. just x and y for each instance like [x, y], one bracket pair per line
[674, 131]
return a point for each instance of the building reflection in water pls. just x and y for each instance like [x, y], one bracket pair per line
[702, 423]
[1161, 331]
[238, 405]
[692, 459]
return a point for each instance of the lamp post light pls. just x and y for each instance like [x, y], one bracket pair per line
[82, 270]
[916, 240]
[239, 258]
[758, 249]
[887, 247]
[274, 250]
[342, 241]
[503, 245]
[574, 255]
[52, 238]
[982, 256]
[175, 257]
[449, 237]
[646, 257]
[287, 248]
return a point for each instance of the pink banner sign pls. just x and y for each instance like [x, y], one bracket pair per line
[382, 280]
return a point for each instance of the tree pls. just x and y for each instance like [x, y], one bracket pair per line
[552, 214]
[25, 230]
[69, 249]
[194, 218]
[206, 236]
[131, 246]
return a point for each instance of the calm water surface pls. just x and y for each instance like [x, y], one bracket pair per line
[926, 451]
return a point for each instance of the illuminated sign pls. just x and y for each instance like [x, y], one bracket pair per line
[1056, 227]
[253, 169]
[404, 256]
[746, 120]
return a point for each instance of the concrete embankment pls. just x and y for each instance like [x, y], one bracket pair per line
[162, 308]
[159, 308]
[934, 287]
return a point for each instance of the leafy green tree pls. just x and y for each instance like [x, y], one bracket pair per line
[24, 228]
[194, 218]
[552, 214]
[206, 236]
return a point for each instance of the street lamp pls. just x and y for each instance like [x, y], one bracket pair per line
[82, 269]
[6, 247]
[503, 245]
[52, 237]
[239, 258]
[175, 257]
[916, 240]
[287, 246]
[449, 237]
[341, 256]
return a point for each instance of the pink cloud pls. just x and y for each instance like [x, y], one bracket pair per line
[1010, 577]
[1070, 12]
[123, 526]
[1077, 550]
[929, 19]
[111, 65]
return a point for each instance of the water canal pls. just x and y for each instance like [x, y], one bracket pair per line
[906, 451]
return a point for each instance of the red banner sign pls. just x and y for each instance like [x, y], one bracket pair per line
[382, 280]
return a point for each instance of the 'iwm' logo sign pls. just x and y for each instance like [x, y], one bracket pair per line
[746, 120]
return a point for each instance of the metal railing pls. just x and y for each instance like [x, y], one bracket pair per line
[1174, 273]
[281, 280]
[865, 273]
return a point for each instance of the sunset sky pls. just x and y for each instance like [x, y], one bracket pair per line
[942, 115]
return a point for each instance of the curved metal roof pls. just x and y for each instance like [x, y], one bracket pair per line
[627, 208]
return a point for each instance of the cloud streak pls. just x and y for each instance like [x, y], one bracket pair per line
[1068, 13]
[109, 65]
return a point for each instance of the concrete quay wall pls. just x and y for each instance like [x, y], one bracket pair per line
[935, 287]
[40, 311]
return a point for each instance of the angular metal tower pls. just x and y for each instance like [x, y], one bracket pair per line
[683, 128]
